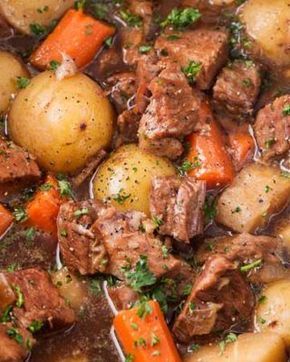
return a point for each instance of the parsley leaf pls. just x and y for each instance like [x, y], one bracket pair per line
[65, 188]
[255, 264]
[35, 326]
[192, 70]
[131, 19]
[181, 18]
[286, 110]
[22, 82]
[20, 214]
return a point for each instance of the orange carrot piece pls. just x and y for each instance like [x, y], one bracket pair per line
[43, 209]
[78, 35]
[242, 145]
[146, 338]
[6, 219]
[208, 153]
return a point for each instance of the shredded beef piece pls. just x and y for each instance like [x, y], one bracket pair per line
[128, 125]
[41, 300]
[220, 298]
[246, 248]
[209, 47]
[178, 204]
[10, 349]
[16, 164]
[144, 9]
[171, 114]
[237, 88]
[119, 240]
[121, 88]
[131, 39]
[272, 128]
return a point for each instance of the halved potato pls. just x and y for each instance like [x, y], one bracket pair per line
[23, 13]
[10, 69]
[256, 193]
[267, 23]
[125, 178]
[282, 229]
[250, 347]
[62, 122]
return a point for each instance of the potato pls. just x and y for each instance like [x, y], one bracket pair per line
[273, 315]
[62, 122]
[282, 230]
[267, 23]
[250, 347]
[22, 13]
[10, 68]
[256, 193]
[125, 178]
[73, 290]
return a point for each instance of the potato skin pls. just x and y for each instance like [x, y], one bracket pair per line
[129, 171]
[273, 315]
[10, 68]
[250, 347]
[62, 122]
[267, 24]
[21, 13]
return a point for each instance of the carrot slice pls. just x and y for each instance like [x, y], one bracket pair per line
[43, 209]
[242, 145]
[78, 35]
[6, 219]
[145, 335]
[207, 152]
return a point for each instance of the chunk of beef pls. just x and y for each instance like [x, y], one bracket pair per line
[131, 39]
[10, 349]
[41, 300]
[171, 114]
[80, 248]
[123, 297]
[7, 296]
[128, 125]
[118, 239]
[220, 298]
[237, 88]
[209, 47]
[143, 9]
[245, 249]
[272, 128]
[178, 205]
[121, 88]
[16, 164]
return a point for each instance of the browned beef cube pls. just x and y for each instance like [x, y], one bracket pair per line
[177, 203]
[15, 343]
[123, 297]
[220, 297]
[245, 248]
[171, 114]
[272, 128]
[237, 88]
[41, 300]
[122, 87]
[81, 249]
[16, 164]
[131, 39]
[209, 47]
[128, 125]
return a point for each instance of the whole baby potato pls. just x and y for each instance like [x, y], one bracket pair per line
[273, 315]
[125, 178]
[24, 14]
[267, 23]
[62, 122]
[11, 68]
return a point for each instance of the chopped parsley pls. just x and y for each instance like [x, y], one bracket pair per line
[22, 82]
[269, 143]
[80, 4]
[121, 197]
[248, 267]
[230, 338]
[20, 297]
[65, 188]
[35, 326]
[6, 317]
[144, 49]
[129, 358]
[194, 347]
[236, 210]
[165, 251]
[140, 342]
[154, 340]
[262, 299]
[46, 186]
[209, 208]
[95, 287]
[181, 18]
[286, 110]
[38, 30]
[30, 234]
[109, 41]
[101, 11]
[53, 65]
[134, 326]
[63, 233]
[81, 212]
[187, 290]
[247, 82]
[268, 188]
[131, 19]
[14, 334]
[42, 10]
[192, 70]
[144, 309]
[187, 166]
[285, 174]
[20, 214]
[157, 221]
[12, 267]
[140, 276]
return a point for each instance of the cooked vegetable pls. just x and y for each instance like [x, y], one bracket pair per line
[72, 289]
[257, 192]
[208, 149]
[62, 122]
[249, 347]
[6, 219]
[283, 230]
[243, 146]
[273, 315]
[33, 14]
[125, 178]
[78, 35]
[144, 334]
[267, 23]
[11, 70]
[42, 210]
